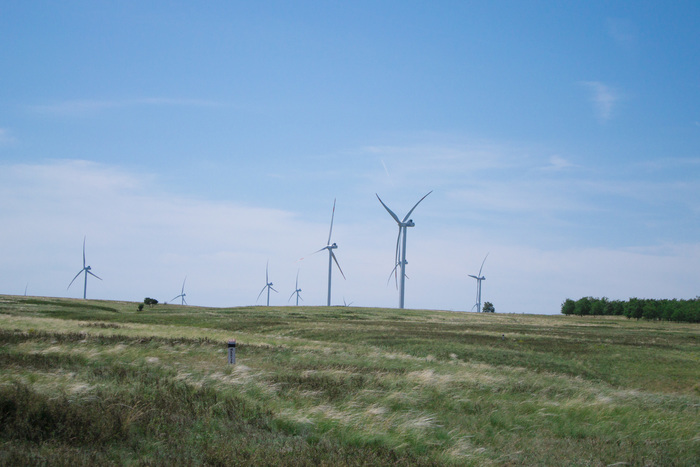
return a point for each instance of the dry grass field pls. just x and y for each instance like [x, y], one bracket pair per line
[100, 383]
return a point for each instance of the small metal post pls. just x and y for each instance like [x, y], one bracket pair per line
[232, 351]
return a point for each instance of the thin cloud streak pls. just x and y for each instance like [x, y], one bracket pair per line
[87, 107]
[603, 98]
[6, 137]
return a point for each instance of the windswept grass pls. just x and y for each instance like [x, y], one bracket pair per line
[100, 383]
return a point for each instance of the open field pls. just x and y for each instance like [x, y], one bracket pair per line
[95, 382]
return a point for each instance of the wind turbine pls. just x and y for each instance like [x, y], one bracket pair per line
[296, 291]
[86, 270]
[400, 258]
[479, 278]
[331, 256]
[182, 294]
[268, 286]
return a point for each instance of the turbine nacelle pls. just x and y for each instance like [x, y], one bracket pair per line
[400, 257]
[331, 256]
[268, 285]
[479, 278]
[86, 270]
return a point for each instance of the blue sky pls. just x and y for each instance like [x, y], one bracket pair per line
[203, 140]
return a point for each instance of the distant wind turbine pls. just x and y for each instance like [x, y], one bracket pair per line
[86, 270]
[331, 256]
[400, 258]
[479, 278]
[296, 291]
[182, 294]
[268, 286]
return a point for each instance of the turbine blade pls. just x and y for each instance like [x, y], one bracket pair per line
[184, 301]
[267, 265]
[482, 263]
[397, 256]
[301, 298]
[393, 272]
[84, 251]
[174, 298]
[331, 231]
[414, 207]
[290, 297]
[94, 275]
[273, 289]
[76, 276]
[337, 264]
[183, 285]
[396, 218]
[473, 277]
[261, 292]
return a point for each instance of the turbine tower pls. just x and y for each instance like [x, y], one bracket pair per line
[331, 256]
[182, 294]
[296, 291]
[268, 286]
[87, 270]
[400, 258]
[479, 278]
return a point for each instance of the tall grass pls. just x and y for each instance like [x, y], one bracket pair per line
[342, 386]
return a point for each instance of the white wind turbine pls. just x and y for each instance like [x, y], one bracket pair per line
[87, 270]
[296, 291]
[182, 294]
[331, 256]
[268, 286]
[479, 278]
[400, 258]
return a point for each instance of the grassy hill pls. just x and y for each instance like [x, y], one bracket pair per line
[95, 382]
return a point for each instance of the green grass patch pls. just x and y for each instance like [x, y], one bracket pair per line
[90, 382]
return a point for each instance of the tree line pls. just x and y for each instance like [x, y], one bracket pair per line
[687, 311]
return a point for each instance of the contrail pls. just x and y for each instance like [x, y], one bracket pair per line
[391, 180]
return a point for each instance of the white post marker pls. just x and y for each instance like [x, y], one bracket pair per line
[232, 351]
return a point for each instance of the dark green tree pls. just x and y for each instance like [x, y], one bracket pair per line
[598, 306]
[568, 307]
[583, 306]
[634, 308]
[488, 308]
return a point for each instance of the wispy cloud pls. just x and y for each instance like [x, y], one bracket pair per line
[89, 107]
[558, 163]
[6, 137]
[603, 97]
[623, 31]
[669, 163]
